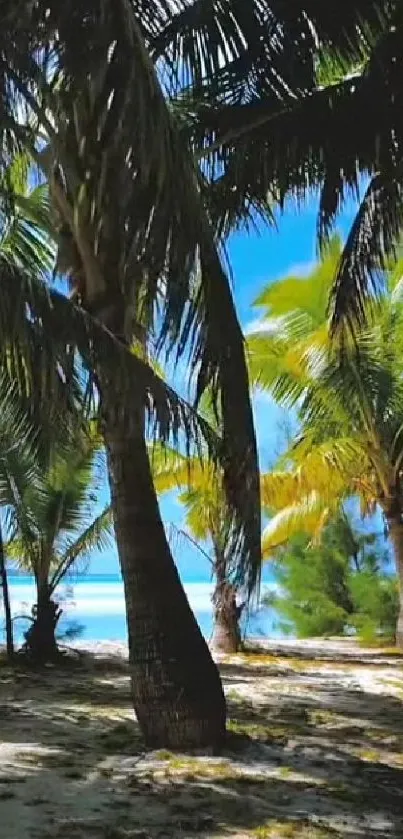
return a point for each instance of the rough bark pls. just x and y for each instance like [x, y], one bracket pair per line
[226, 636]
[395, 526]
[177, 692]
[40, 639]
[6, 602]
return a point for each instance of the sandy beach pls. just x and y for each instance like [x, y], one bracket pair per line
[315, 750]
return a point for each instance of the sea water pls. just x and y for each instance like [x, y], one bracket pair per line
[94, 608]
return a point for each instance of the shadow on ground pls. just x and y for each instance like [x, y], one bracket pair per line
[309, 756]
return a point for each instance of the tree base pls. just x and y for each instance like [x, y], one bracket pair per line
[40, 639]
[176, 688]
[179, 702]
[226, 637]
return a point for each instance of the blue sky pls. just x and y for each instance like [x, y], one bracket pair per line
[256, 259]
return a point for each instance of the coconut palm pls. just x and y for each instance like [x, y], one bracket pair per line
[201, 494]
[54, 523]
[15, 432]
[349, 401]
[340, 134]
[127, 236]
[28, 424]
[93, 82]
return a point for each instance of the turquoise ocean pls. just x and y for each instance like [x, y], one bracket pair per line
[94, 606]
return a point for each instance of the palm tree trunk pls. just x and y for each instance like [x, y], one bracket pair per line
[41, 638]
[177, 692]
[226, 633]
[6, 601]
[395, 526]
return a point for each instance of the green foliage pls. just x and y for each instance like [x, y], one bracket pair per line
[315, 599]
[348, 396]
[337, 587]
[53, 520]
[376, 604]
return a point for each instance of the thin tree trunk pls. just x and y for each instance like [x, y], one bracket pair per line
[6, 601]
[226, 633]
[177, 692]
[396, 536]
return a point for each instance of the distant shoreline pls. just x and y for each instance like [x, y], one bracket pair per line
[318, 648]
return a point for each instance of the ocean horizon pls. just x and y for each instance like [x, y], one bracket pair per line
[94, 608]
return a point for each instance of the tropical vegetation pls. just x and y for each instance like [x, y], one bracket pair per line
[66, 73]
[349, 398]
[206, 527]
[248, 100]
[340, 586]
[336, 131]
[54, 523]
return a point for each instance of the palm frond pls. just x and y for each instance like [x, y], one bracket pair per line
[261, 46]
[309, 515]
[285, 150]
[97, 535]
[205, 518]
[201, 492]
[27, 305]
[179, 537]
[372, 241]
[125, 205]
[286, 358]
[308, 295]
[173, 470]
[24, 240]
[18, 462]
[131, 222]
[328, 468]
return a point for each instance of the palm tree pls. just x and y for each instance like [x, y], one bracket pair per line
[25, 422]
[54, 524]
[94, 82]
[128, 237]
[337, 133]
[349, 399]
[201, 494]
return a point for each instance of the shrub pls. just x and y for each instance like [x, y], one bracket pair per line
[337, 587]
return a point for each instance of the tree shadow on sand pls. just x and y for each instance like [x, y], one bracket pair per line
[306, 764]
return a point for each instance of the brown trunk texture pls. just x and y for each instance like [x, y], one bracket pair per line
[177, 691]
[226, 636]
[396, 537]
[40, 639]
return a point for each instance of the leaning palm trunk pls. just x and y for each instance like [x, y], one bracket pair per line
[177, 692]
[396, 536]
[6, 602]
[130, 239]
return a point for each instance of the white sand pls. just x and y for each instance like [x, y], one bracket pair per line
[319, 751]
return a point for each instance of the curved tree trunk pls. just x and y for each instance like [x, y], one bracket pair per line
[40, 639]
[177, 692]
[226, 636]
[6, 601]
[396, 536]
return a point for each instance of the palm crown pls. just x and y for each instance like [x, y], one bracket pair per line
[54, 522]
[348, 398]
[348, 395]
